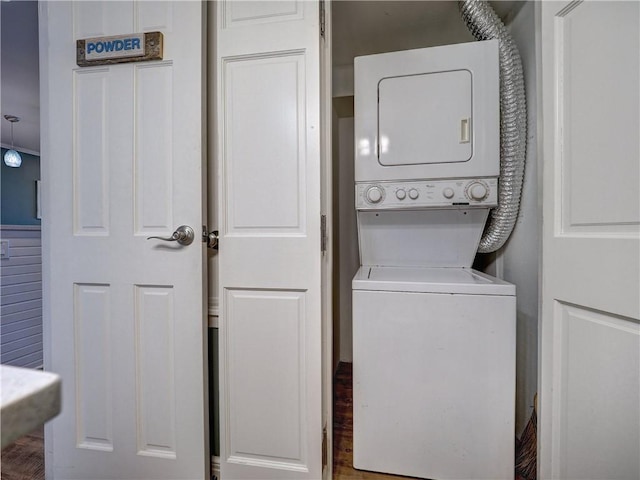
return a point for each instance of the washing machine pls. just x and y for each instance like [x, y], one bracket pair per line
[434, 373]
[433, 339]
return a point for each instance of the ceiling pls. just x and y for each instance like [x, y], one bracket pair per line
[367, 27]
[359, 28]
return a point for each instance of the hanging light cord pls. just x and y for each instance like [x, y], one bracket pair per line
[11, 157]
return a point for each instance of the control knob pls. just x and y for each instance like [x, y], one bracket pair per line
[448, 192]
[413, 194]
[477, 191]
[374, 194]
[401, 194]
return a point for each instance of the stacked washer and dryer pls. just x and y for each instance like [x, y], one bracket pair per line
[433, 339]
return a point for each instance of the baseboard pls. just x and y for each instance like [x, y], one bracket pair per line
[215, 468]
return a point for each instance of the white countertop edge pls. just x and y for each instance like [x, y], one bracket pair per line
[27, 400]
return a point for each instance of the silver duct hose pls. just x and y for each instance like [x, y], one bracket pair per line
[484, 24]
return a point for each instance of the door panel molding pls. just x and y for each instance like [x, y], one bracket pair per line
[155, 323]
[239, 14]
[270, 433]
[91, 89]
[592, 190]
[153, 150]
[94, 395]
[273, 203]
[596, 345]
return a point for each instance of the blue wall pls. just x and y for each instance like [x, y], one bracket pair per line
[18, 191]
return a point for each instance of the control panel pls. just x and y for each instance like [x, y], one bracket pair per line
[475, 192]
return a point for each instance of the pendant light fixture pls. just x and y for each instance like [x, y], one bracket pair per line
[11, 157]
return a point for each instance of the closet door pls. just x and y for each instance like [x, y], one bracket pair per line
[267, 70]
[590, 323]
[124, 320]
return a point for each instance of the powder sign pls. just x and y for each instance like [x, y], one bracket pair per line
[136, 47]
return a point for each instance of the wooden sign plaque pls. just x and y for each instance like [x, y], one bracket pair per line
[136, 47]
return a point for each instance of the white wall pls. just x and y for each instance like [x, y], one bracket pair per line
[348, 259]
[520, 257]
[335, 238]
[21, 296]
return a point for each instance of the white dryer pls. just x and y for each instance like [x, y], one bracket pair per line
[433, 340]
[427, 113]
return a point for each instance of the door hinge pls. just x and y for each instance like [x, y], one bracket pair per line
[322, 18]
[325, 448]
[323, 234]
[210, 238]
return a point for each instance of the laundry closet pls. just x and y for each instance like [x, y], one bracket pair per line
[364, 28]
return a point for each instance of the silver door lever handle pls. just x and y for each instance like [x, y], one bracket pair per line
[183, 235]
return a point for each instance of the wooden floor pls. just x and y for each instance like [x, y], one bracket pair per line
[24, 459]
[343, 437]
[343, 431]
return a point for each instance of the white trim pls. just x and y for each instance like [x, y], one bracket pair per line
[327, 91]
[38, 200]
[260, 463]
[215, 467]
[213, 314]
[45, 168]
[20, 150]
[12, 228]
[213, 307]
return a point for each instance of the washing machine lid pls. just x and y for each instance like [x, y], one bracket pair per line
[430, 280]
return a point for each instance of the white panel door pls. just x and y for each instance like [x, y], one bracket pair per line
[590, 323]
[124, 319]
[268, 153]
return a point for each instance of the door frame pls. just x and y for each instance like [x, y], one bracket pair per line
[326, 189]
[45, 167]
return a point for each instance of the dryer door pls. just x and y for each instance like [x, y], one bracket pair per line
[425, 119]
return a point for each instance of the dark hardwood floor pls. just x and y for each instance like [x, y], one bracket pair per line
[343, 431]
[24, 459]
[343, 437]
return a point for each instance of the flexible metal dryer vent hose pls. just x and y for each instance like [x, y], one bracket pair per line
[484, 24]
